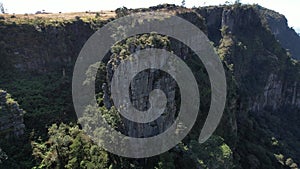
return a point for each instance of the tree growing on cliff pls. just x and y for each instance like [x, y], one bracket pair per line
[68, 147]
[237, 2]
[123, 11]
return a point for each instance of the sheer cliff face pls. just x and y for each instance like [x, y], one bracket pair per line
[261, 67]
[267, 79]
[11, 117]
[264, 83]
[41, 47]
[277, 93]
[287, 36]
[274, 21]
[139, 94]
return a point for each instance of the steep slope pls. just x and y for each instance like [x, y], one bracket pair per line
[11, 117]
[260, 122]
[278, 24]
[11, 128]
[268, 84]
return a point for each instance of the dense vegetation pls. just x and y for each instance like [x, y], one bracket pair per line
[38, 76]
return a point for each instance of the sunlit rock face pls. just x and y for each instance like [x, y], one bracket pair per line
[11, 117]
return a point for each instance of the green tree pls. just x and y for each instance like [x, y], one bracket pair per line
[166, 161]
[123, 11]
[214, 153]
[68, 147]
[237, 2]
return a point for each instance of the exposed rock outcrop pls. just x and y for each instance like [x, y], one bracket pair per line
[140, 88]
[11, 116]
[265, 80]
[277, 94]
[278, 24]
[50, 48]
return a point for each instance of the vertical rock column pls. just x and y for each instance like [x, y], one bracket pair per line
[11, 117]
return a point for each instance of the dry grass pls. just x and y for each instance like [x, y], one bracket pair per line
[19, 18]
